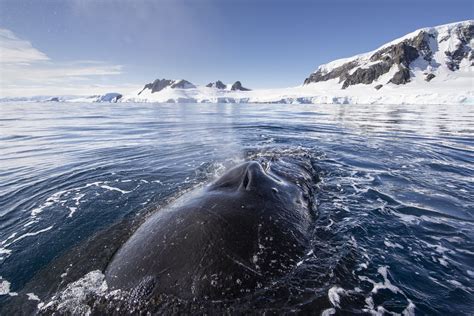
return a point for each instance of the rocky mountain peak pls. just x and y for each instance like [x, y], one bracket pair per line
[237, 86]
[427, 50]
[160, 84]
[182, 84]
[218, 84]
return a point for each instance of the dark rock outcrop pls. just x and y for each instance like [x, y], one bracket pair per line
[366, 75]
[421, 43]
[237, 86]
[160, 84]
[218, 84]
[182, 84]
[110, 97]
[463, 50]
[378, 87]
[339, 72]
[402, 76]
[401, 54]
[157, 85]
[429, 77]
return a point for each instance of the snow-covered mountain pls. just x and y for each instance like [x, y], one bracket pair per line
[430, 65]
[160, 84]
[236, 86]
[174, 91]
[430, 54]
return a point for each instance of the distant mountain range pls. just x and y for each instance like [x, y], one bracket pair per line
[429, 66]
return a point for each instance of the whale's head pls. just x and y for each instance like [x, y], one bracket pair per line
[246, 228]
[264, 185]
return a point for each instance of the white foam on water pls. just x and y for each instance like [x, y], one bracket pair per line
[5, 251]
[334, 295]
[353, 241]
[72, 210]
[410, 219]
[410, 309]
[77, 201]
[30, 223]
[107, 187]
[392, 245]
[49, 201]
[33, 297]
[331, 222]
[8, 238]
[146, 202]
[63, 197]
[455, 283]
[328, 312]
[363, 265]
[376, 311]
[438, 248]
[72, 299]
[6, 243]
[30, 234]
[443, 261]
[4, 286]
[386, 282]
[310, 253]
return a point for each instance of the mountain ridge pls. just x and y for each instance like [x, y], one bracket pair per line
[423, 43]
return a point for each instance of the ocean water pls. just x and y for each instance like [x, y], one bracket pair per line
[395, 201]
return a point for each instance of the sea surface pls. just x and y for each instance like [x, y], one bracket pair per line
[395, 200]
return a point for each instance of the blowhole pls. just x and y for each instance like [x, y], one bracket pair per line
[246, 181]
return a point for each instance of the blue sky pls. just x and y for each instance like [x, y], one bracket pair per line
[85, 47]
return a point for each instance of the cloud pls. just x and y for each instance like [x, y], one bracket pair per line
[26, 71]
[50, 73]
[85, 89]
[14, 50]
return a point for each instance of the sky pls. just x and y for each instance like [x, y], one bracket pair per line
[85, 47]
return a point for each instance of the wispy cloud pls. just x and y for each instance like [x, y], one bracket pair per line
[50, 73]
[27, 71]
[16, 51]
[85, 89]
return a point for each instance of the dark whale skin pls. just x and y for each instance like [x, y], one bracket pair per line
[222, 241]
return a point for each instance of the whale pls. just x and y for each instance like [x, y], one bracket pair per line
[232, 237]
